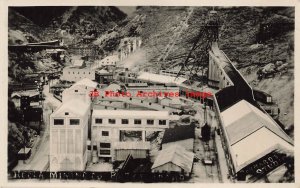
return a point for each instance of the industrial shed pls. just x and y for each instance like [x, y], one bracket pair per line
[253, 140]
[135, 149]
[181, 135]
[174, 159]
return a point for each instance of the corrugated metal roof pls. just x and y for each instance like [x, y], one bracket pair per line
[86, 82]
[243, 118]
[252, 133]
[177, 155]
[178, 133]
[132, 145]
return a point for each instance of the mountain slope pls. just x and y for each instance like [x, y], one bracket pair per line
[252, 37]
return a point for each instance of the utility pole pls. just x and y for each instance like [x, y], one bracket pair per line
[24, 140]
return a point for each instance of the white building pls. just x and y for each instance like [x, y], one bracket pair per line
[253, 142]
[117, 133]
[77, 62]
[75, 73]
[68, 135]
[79, 90]
[107, 61]
[129, 45]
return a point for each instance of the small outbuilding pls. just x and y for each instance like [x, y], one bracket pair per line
[174, 159]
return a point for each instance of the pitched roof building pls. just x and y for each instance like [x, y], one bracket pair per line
[174, 159]
[245, 126]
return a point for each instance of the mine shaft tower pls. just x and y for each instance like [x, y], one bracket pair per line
[195, 61]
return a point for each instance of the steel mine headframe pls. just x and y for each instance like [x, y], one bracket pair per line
[198, 56]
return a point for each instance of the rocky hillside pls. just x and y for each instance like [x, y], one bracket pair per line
[254, 38]
[69, 22]
[21, 29]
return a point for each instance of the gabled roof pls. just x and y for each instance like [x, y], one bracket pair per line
[248, 127]
[78, 62]
[86, 82]
[113, 87]
[176, 155]
[244, 118]
[75, 106]
[146, 76]
[178, 133]
[30, 93]
[103, 71]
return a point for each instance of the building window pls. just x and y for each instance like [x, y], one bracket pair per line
[125, 121]
[104, 152]
[66, 113]
[58, 122]
[78, 72]
[83, 72]
[162, 122]
[74, 121]
[104, 145]
[150, 122]
[76, 91]
[73, 73]
[89, 72]
[105, 133]
[137, 121]
[98, 121]
[111, 121]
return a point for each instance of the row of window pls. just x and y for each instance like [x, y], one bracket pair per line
[78, 72]
[126, 121]
[109, 62]
[62, 122]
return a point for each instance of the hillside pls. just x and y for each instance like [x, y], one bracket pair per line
[20, 27]
[252, 37]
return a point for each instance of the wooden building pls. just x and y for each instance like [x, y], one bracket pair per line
[252, 140]
[174, 159]
[138, 150]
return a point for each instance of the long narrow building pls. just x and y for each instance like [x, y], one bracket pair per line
[254, 144]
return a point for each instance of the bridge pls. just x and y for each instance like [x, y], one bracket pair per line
[55, 44]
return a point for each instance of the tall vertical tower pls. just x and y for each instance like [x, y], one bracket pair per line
[198, 56]
[68, 135]
[212, 25]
